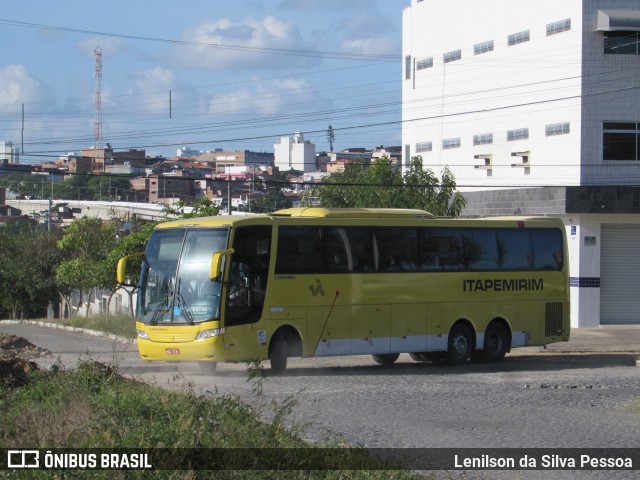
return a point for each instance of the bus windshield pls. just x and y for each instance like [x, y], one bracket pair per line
[175, 284]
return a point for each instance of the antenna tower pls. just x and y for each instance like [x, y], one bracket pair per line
[97, 123]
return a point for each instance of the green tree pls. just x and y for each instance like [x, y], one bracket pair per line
[134, 242]
[27, 260]
[107, 187]
[85, 246]
[203, 207]
[26, 184]
[379, 185]
[274, 197]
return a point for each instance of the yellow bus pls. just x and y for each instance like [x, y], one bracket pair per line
[315, 282]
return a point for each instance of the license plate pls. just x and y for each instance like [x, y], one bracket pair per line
[172, 351]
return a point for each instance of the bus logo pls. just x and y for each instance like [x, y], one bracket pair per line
[23, 459]
[317, 289]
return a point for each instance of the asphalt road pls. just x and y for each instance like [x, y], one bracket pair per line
[574, 395]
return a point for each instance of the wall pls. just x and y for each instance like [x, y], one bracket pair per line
[528, 85]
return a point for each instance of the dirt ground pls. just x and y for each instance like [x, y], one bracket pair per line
[15, 360]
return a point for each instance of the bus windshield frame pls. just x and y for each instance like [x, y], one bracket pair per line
[175, 285]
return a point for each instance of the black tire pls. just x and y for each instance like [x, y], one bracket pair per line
[208, 368]
[426, 356]
[278, 353]
[434, 357]
[418, 357]
[385, 358]
[496, 343]
[459, 345]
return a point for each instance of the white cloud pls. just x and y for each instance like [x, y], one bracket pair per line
[327, 4]
[369, 34]
[153, 79]
[17, 87]
[372, 45]
[243, 45]
[274, 97]
[150, 91]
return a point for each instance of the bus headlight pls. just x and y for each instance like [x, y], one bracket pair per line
[142, 334]
[214, 332]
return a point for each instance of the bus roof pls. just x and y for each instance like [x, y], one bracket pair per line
[353, 213]
[359, 215]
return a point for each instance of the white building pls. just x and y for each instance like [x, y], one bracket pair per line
[188, 152]
[294, 153]
[514, 94]
[9, 153]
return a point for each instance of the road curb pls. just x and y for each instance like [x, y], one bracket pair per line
[86, 331]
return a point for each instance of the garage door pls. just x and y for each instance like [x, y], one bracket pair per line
[620, 274]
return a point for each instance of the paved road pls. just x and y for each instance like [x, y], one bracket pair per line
[573, 395]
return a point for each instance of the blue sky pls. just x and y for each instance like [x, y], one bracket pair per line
[241, 73]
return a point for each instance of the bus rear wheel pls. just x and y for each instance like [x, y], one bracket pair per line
[459, 345]
[208, 368]
[385, 358]
[496, 343]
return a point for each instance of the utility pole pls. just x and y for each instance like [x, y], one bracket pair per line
[229, 191]
[97, 122]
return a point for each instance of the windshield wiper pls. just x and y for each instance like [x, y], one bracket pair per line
[162, 305]
[183, 304]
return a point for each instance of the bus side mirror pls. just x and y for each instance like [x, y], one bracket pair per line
[121, 270]
[216, 263]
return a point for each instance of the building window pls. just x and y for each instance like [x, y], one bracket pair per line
[483, 47]
[622, 43]
[449, 143]
[517, 134]
[423, 63]
[620, 141]
[516, 38]
[452, 56]
[557, 129]
[424, 147]
[558, 27]
[483, 139]
[407, 67]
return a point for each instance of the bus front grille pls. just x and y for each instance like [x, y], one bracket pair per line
[172, 337]
[553, 319]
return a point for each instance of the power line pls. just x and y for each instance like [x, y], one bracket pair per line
[243, 48]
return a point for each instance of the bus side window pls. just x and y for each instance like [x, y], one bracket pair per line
[514, 249]
[547, 249]
[299, 250]
[337, 250]
[397, 249]
[481, 249]
[442, 249]
[361, 243]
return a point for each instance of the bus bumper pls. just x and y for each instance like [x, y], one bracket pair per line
[207, 349]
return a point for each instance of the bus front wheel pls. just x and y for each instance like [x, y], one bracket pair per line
[385, 358]
[208, 368]
[278, 353]
[459, 345]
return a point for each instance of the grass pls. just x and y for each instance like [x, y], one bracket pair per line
[93, 406]
[121, 325]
